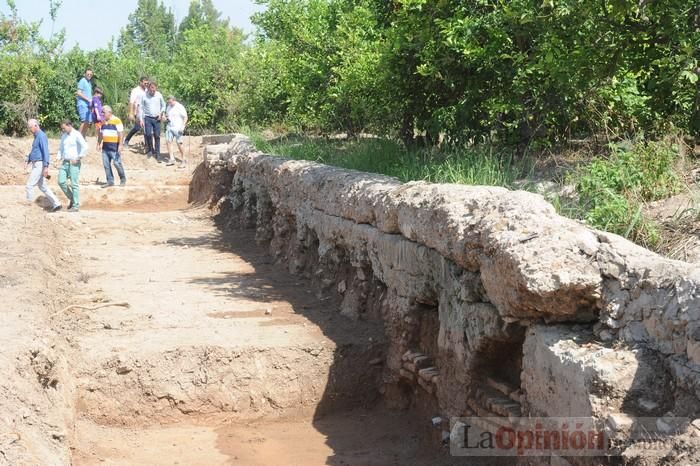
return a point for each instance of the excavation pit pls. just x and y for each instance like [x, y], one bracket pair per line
[281, 312]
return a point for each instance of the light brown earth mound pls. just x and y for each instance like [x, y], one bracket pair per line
[137, 332]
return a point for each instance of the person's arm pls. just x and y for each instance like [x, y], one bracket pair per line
[81, 94]
[134, 101]
[99, 140]
[98, 110]
[135, 110]
[162, 107]
[141, 110]
[45, 156]
[120, 132]
[44, 148]
[82, 143]
[132, 106]
[60, 152]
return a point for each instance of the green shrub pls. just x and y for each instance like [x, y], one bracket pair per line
[612, 191]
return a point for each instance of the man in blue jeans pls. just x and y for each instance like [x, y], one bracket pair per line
[152, 111]
[110, 138]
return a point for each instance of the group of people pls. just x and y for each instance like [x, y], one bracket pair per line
[147, 109]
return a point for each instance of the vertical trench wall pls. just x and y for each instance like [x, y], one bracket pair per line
[492, 303]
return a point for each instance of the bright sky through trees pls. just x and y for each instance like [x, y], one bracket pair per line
[92, 24]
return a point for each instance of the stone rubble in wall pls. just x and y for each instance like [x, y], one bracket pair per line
[556, 266]
[498, 258]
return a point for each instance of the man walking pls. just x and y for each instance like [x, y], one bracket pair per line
[177, 120]
[152, 112]
[38, 162]
[83, 100]
[70, 153]
[134, 109]
[110, 138]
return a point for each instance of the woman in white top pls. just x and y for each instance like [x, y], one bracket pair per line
[73, 148]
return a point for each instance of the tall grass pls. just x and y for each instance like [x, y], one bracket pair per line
[610, 191]
[473, 166]
[613, 190]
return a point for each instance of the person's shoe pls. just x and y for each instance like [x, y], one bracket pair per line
[107, 185]
[122, 183]
[170, 163]
[74, 209]
[56, 208]
[70, 205]
[148, 155]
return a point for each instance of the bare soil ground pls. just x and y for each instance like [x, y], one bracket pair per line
[136, 332]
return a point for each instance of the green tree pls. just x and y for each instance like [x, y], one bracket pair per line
[30, 83]
[201, 12]
[324, 57]
[204, 75]
[151, 30]
[519, 72]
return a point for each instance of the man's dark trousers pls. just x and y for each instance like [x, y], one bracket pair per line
[134, 130]
[152, 132]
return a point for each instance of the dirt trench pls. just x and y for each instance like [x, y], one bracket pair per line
[139, 332]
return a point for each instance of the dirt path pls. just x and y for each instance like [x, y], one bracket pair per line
[219, 358]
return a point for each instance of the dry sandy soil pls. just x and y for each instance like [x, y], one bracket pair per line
[137, 332]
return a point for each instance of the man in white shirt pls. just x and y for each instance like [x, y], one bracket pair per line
[70, 153]
[177, 120]
[134, 107]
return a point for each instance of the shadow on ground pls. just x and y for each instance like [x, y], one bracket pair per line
[350, 414]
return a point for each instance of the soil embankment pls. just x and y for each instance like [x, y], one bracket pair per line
[139, 332]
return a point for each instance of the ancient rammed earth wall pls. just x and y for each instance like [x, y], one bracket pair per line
[492, 303]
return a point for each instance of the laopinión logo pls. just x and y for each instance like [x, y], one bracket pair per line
[562, 436]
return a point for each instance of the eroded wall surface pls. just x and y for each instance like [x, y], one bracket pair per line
[492, 303]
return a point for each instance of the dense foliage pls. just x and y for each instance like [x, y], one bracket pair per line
[512, 71]
[519, 71]
[199, 62]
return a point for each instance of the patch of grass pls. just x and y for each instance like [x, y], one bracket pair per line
[473, 166]
[613, 190]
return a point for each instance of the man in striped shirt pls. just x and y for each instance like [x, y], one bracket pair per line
[110, 138]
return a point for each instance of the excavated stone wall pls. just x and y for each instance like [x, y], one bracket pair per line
[492, 303]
